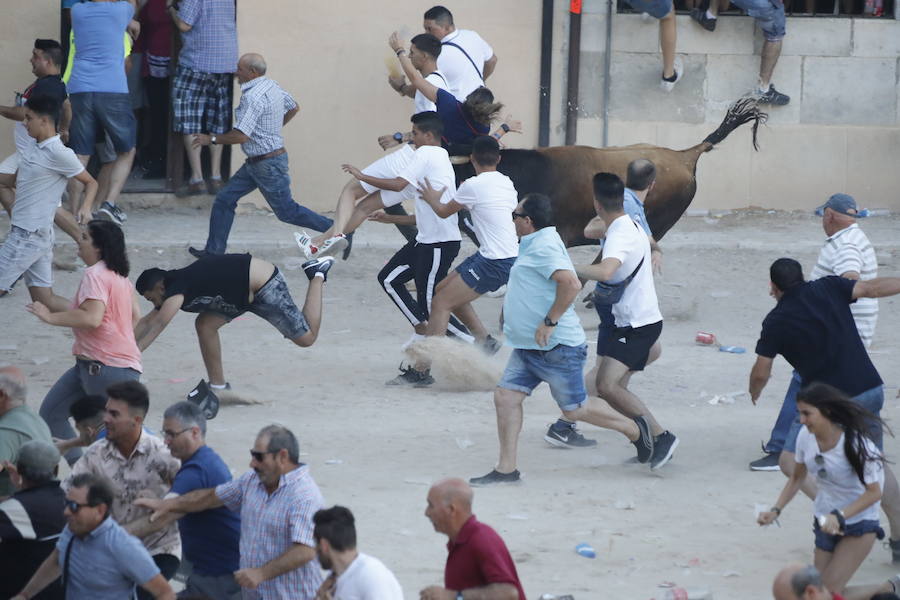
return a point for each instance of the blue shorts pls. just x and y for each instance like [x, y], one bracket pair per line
[769, 15]
[561, 367]
[871, 400]
[485, 274]
[654, 8]
[828, 542]
[109, 112]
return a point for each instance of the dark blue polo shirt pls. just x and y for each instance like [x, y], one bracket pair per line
[210, 539]
[812, 327]
[459, 128]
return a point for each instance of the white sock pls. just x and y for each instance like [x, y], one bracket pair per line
[319, 274]
[216, 386]
[217, 178]
[709, 15]
[192, 180]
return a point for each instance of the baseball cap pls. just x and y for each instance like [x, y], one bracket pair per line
[842, 203]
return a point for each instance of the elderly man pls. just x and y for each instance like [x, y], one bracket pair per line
[210, 538]
[478, 563]
[137, 463]
[547, 339]
[466, 60]
[804, 582]
[31, 520]
[95, 556]
[848, 253]
[277, 500]
[200, 98]
[354, 575]
[18, 423]
[812, 327]
[264, 109]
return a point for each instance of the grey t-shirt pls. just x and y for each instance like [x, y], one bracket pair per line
[44, 169]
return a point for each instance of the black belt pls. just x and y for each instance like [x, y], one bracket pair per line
[272, 154]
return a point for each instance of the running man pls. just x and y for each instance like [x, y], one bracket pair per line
[221, 287]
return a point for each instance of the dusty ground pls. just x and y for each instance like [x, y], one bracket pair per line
[376, 449]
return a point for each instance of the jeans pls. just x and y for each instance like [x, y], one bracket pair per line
[81, 380]
[561, 367]
[785, 417]
[273, 179]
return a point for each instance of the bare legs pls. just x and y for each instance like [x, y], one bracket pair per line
[768, 58]
[839, 566]
[612, 379]
[193, 154]
[208, 325]
[352, 193]
[667, 36]
[312, 311]
[508, 404]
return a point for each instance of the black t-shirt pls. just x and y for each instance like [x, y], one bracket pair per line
[812, 327]
[49, 85]
[215, 283]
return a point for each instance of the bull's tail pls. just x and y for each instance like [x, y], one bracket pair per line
[743, 111]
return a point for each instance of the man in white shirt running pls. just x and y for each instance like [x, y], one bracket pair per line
[466, 59]
[354, 575]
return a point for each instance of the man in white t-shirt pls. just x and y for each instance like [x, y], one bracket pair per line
[424, 50]
[638, 322]
[354, 575]
[45, 166]
[466, 60]
[492, 198]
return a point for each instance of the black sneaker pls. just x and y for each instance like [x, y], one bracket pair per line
[699, 15]
[346, 253]
[663, 448]
[197, 253]
[894, 545]
[773, 96]
[491, 345]
[205, 399]
[769, 462]
[409, 376]
[645, 442]
[113, 213]
[567, 437]
[495, 477]
[318, 265]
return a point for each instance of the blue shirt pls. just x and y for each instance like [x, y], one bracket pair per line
[211, 44]
[210, 539]
[99, 65]
[531, 293]
[634, 208]
[458, 127]
[106, 565]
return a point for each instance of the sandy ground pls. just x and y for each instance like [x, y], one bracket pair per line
[376, 449]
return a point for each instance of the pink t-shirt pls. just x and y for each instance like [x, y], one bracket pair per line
[112, 343]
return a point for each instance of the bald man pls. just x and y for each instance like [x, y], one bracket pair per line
[804, 582]
[18, 423]
[264, 109]
[477, 559]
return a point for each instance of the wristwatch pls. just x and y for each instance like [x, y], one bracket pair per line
[398, 136]
[504, 127]
[212, 140]
[550, 323]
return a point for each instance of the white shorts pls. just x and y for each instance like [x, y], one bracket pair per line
[10, 164]
[389, 167]
[28, 253]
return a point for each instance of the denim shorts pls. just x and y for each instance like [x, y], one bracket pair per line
[485, 274]
[654, 8]
[561, 367]
[106, 111]
[28, 253]
[273, 302]
[871, 400]
[769, 15]
[828, 542]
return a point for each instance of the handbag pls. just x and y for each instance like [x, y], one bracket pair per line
[610, 293]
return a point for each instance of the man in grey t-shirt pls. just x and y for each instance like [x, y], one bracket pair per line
[45, 166]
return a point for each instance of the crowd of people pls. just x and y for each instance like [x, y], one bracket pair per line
[138, 507]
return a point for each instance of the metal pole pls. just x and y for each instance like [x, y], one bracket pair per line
[572, 74]
[546, 66]
[607, 71]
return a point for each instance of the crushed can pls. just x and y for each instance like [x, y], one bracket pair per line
[705, 339]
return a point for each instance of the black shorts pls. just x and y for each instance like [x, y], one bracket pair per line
[631, 346]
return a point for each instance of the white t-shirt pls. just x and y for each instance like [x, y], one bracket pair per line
[626, 241]
[437, 79]
[44, 170]
[367, 579]
[492, 198]
[836, 481]
[462, 75]
[432, 162]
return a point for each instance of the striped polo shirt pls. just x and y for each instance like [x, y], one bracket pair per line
[850, 250]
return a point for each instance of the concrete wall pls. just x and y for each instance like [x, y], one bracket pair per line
[841, 131]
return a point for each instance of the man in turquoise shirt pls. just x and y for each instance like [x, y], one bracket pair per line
[546, 335]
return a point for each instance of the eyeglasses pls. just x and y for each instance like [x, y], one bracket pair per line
[169, 435]
[822, 473]
[258, 456]
[74, 507]
[517, 215]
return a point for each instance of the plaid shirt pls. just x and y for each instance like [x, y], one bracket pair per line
[150, 468]
[211, 44]
[271, 524]
[260, 115]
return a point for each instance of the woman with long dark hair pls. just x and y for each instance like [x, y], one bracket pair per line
[102, 318]
[836, 446]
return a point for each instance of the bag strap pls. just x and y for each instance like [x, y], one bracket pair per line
[460, 48]
[438, 73]
[65, 573]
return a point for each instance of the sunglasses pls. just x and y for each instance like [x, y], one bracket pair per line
[518, 215]
[74, 507]
[820, 461]
[169, 435]
[258, 456]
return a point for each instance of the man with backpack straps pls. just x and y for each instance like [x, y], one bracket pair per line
[466, 60]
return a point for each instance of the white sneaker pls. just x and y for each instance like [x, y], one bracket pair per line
[332, 246]
[667, 86]
[304, 242]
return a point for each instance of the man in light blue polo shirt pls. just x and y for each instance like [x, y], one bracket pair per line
[539, 322]
[96, 558]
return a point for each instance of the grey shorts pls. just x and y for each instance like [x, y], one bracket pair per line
[273, 302]
[220, 587]
[28, 253]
